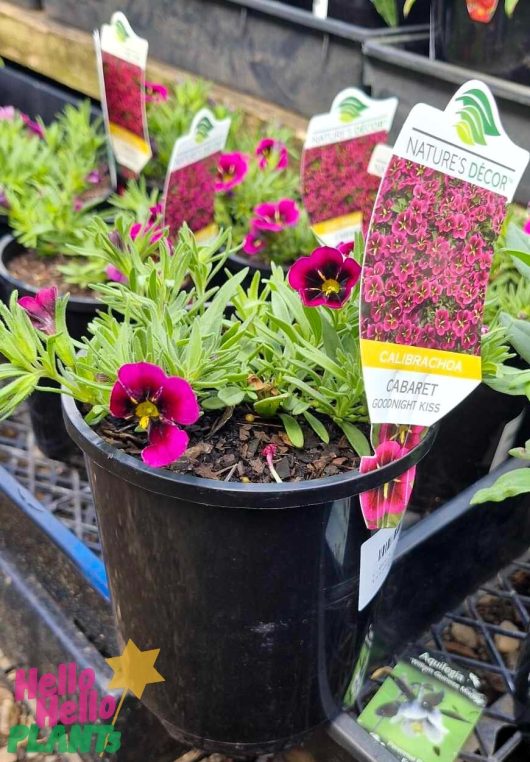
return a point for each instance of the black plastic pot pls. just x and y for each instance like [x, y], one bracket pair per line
[45, 407]
[400, 66]
[499, 47]
[250, 592]
[265, 48]
[468, 441]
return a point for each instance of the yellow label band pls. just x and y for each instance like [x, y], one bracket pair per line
[338, 223]
[130, 138]
[381, 354]
[207, 233]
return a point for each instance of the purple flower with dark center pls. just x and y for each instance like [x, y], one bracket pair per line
[326, 277]
[41, 309]
[231, 170]
[267, 149]
[158, 403]
[276, 216]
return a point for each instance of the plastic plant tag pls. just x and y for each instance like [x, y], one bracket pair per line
[337, 189]
[379, 160]
[122, 60]
[190, 181]
[425, 710]
[438, 212]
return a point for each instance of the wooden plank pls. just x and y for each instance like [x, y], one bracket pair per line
[66, 55]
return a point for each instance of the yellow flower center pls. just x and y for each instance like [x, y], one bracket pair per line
[145, 411]
[331, 286]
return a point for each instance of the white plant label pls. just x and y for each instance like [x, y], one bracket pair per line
[377, 555]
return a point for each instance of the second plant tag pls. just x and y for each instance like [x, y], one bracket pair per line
[337, 189]
[438, 213]
[122, 59]
[189, 192]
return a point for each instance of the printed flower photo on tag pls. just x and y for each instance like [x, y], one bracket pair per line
[428, 259]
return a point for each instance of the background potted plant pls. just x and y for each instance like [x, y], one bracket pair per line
[263, 485]
[258, 195]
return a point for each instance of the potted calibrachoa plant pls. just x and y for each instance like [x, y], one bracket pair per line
[223, 454]
[63, 177]
[258, 194]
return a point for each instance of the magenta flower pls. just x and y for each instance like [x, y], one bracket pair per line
[77, 204]
[41, 309]
[7, 113]
[114, 274]
[325, 277]
[384, 505]
[231, 170]
[276, 216]
[526, 226]
[93, 177]
[158, 403]
[346, 248]
[32, 126]
[155, 92]
[138, 229]
[254, 242]
[269, 148]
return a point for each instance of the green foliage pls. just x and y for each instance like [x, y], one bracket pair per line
[511, 484]
[22, 156]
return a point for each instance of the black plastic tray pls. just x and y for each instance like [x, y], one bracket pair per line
[261, 47]
[401, 66]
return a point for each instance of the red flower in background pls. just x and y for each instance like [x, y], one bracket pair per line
[482, 10]
[231, 170]
[276, 216]
[272, 152]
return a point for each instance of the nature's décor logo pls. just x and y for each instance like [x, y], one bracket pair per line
[121, 31]
[203, 129]
[476, 118]
[68, 700]
[351, 108]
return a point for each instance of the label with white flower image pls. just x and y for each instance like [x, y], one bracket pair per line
[189, 191]
[438, 213]
[337, 188]
[121, 60]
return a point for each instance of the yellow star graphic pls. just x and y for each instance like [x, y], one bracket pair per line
[134, 669]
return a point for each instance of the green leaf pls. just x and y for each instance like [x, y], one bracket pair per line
[408, 7]
[388, 10]
[231, 395]
[270, 405]
[212, 403]
[293, 429]
[509, 6]
[518, 334]
[508, 485]
[317, 426]
[356, 438]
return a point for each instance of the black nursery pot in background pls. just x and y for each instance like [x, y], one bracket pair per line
[499, 47]
[249, 591]
[472, 438]
[45, 407]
